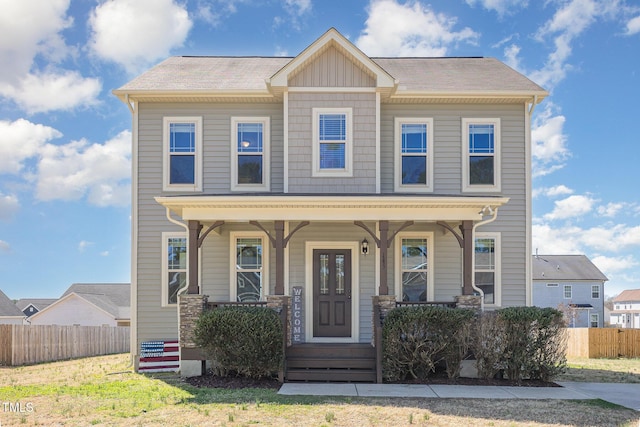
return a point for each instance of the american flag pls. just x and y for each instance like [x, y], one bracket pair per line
[159, 356]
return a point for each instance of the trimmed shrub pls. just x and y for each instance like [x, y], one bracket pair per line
[415, 339]
[488, 344]
[244, 340]
[535, 342]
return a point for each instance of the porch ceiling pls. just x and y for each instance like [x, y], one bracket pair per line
[329, 208]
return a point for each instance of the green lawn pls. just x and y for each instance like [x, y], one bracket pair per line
[104, 391]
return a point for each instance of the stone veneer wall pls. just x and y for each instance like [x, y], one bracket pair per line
[469, 301]
[190, 308]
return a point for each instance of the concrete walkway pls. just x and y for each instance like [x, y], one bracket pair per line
[627, 395]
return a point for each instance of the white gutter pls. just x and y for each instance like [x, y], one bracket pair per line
[186, 227]
[494, 212]
[529, 208]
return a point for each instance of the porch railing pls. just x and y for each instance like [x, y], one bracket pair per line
[283, 314]
[445, 304]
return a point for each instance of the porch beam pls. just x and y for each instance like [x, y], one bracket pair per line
[467, 257]
[279, 242]
[194, 234]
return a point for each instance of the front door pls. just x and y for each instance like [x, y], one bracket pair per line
[331, 292]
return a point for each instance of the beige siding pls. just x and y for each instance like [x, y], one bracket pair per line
[301, 140]
[332, 69]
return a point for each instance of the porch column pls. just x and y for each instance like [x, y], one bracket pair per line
[383, 247]
[192, 268]
[468, 252]
[279, 244]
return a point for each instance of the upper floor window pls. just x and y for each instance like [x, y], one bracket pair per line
[487, 266]
[174, 266]
[250, 166]
[182, 164]
[595, 291]
[332, 145]
[414, 154]
[481, 154]
[568, 292]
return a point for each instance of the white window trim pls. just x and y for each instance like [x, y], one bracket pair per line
[552, 285]
[597, 320]
[430, 262]
[564, 291]
[233, 237]
[348, 149]
[266, 157]
[166, 235]
[197, 185]
[497, 170]
[414, 188]
[598, 288]
[497, 285]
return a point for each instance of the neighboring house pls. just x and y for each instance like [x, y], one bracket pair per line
[9, 313]
[626, 309]
[30, 306]
[573, 284]
[89, 304]
[332, 175]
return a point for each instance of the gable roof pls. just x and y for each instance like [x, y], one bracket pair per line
[629, 295]
[209, 78]
[565, 267]
[38, 303]
[8, 308]
[114, 298]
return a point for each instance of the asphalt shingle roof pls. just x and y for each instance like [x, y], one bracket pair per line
[7, 307]
[630, 295]
[565, 267]
[114, 298]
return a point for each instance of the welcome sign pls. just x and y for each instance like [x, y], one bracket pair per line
[297, 315]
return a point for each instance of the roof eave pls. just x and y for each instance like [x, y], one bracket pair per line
[141, 95]
[535, 96]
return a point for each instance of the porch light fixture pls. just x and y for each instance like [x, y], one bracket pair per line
[364, 247]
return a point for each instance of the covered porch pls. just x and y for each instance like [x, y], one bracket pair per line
[352, 244]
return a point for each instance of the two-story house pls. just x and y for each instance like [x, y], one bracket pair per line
[331, 177]
[626, 309]
[573, 284]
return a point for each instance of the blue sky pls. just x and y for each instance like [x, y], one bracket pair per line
[65, 139]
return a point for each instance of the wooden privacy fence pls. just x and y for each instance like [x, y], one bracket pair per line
[27, 344]
[598, 343]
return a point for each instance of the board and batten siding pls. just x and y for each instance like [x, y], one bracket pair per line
[155, 321]
[331, 68]
[301, 138]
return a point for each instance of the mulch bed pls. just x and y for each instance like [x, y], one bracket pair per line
[239, 382]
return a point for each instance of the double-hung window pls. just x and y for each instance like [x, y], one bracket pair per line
[414, 154]
[595, 291]
[568, 292]
[414, 253]
[249, 267]
[174, 266]
[594, 320]
[332, 146]
[487, 266]
[182, 164]
[250, 166]
[481, 155]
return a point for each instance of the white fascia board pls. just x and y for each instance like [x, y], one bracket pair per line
[536, 96]
[326, 208]
[280, 78]
[141, 95]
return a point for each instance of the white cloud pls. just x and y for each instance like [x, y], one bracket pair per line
[104, 253]
[569, 22]
[36, 32]
[558, 190]
[611, 265]
[409, 29]
[21, 140]
[298, 7]
[83, 245]
[549, 143]
[633, 26]
[572, 206]
[611, 209]
[5, 247]
[134, 33]
[502, 7]
[100, 172]
[611, 237]
[9, 206]
[554, 240]
[37, 93]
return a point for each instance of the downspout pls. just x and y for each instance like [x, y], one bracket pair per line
[494, 212]
[529, 208]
